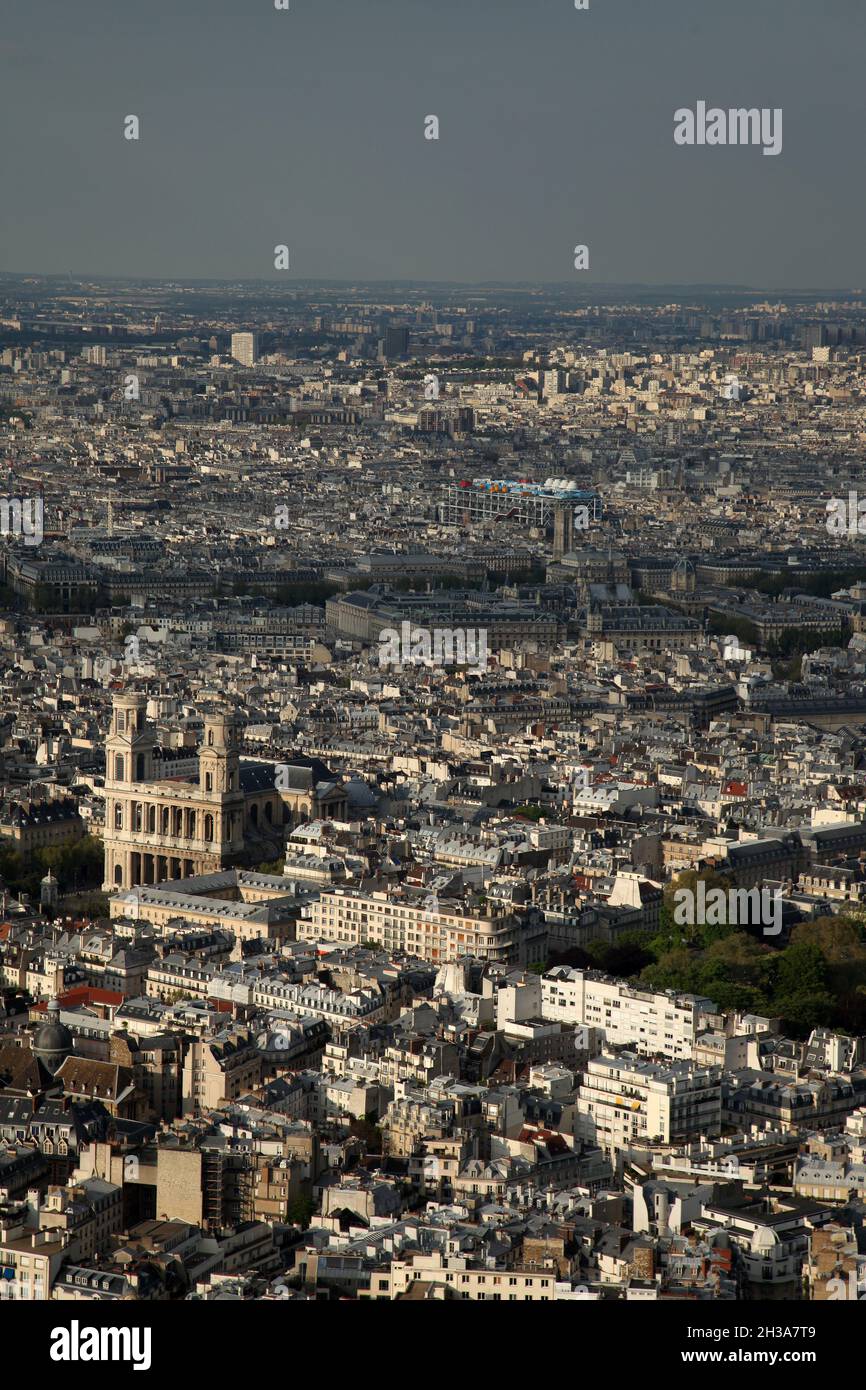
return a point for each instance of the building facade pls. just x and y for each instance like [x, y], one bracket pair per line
[160, 828]
[414, 924]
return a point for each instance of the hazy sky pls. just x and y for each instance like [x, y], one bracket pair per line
[306, 127]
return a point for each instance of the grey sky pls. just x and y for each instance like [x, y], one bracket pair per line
[306, 127]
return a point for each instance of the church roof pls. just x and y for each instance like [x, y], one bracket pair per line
[300, 774]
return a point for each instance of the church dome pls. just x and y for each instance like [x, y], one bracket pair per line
[52, 1041]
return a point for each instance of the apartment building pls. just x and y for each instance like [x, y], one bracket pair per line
[156, 1065]
[278, 1185]
[361, 1007]
[219, 1069]
[775, 1102]
[177, 975]
[625, 1102]
[412, 1118]
[418, 1061]
[32, 825]
[772, 1236]
[648, 1022]
[88, 1213]
[826, 1181]
[29, 1260]
[455, 1274]
[435, 930]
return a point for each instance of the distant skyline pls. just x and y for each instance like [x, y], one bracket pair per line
[305, 128]
[716, 297]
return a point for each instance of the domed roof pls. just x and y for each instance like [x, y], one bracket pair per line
[52, 1037]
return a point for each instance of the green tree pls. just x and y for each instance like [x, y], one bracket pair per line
[676, 969]
[300, 1212]
[802, 969]
[673, 933]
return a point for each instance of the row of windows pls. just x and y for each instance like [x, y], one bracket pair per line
[175, 820]
[167, 820]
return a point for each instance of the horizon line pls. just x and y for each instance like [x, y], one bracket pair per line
[718, 286]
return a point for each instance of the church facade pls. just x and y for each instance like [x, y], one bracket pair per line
[159, 827]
